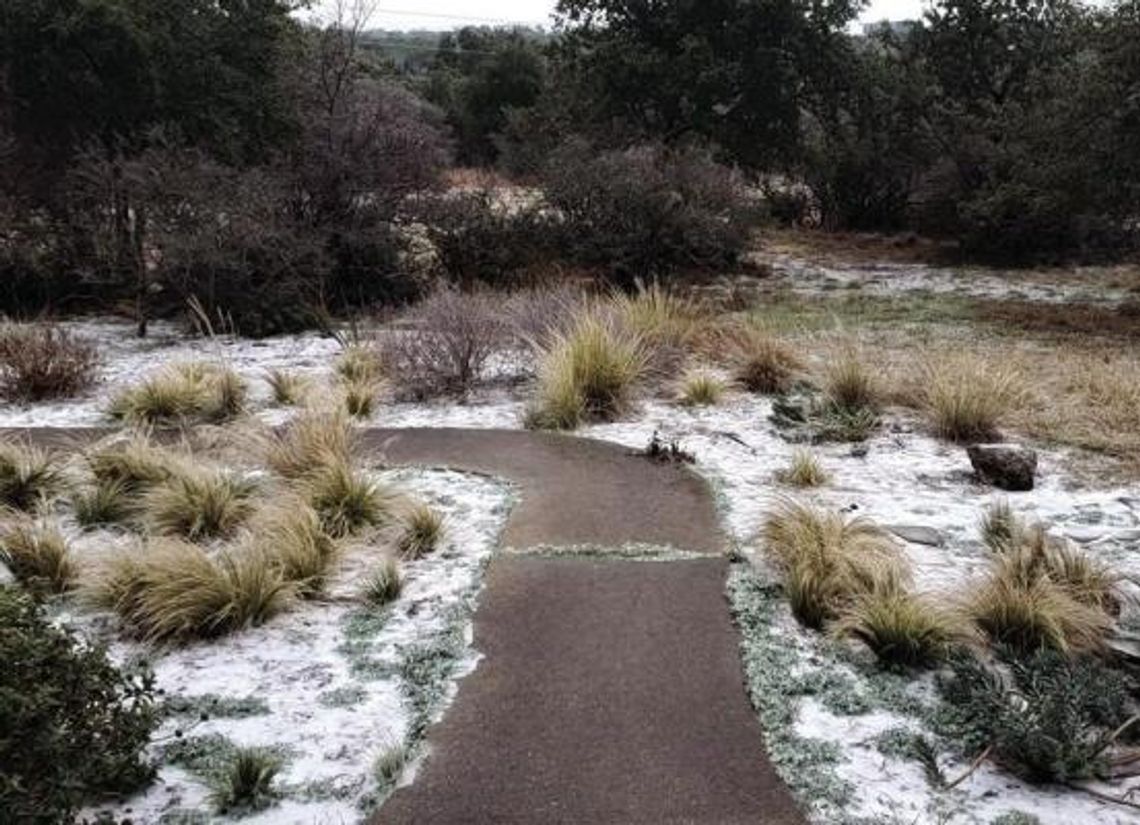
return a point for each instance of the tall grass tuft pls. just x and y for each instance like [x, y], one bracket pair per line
[700, 389]
[28, 476]
[360, 397]
[38, 556]
[999, 527]
[828, 560]
[761, 361]
[245, 785]
[422, 531]
[199, 505]
[966, 397]
[849, 384]
[347, 501]
[804, 471]
[311, 441]
[174, 591]
[186, 393]
[289, 388]
[103, 504]
[135, 464]
[666, 323]
[1041, 592]
[587, 373]
[384, 585]
[359, 364]
[291, 534]
[902, 628]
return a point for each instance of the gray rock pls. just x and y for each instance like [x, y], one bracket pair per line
[1085, 535]
[917, 534]
[1006, 466]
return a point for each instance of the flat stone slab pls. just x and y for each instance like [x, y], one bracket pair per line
[573, 490]
[610, 692]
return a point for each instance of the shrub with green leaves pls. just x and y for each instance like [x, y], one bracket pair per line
[1045, 716]
[74, 727]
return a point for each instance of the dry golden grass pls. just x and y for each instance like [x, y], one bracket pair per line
[760, 360]
[347, 501]
[422, 531]
[291, 534]
[659, 317]
[1044, 592]
[359, 363]
[804, 470]
[38, 556]
[289, 388]
[849, 378]
[360, 396]
[699, 388]
[312, 440]
[827, 559]
[186, 393]
[173, 591]
[135, 463]
[967, 397]
[384, 584]
[103, 504]
[29, 476]
[587, 373]
[903, 628]
[199, 504]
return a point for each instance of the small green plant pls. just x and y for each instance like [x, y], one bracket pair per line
[828, 560]
[587, 373]
[246, 784]
[101, 505]
[422, 531]
[389, 763]
[38, 556]
[1047, 716]
[289, 388]
[200, 505]
[804, 471]
[902, 628]
[700, 389]
[174, 591]
[347, 500]
[28, 476]
[75, 727]
[384, 585]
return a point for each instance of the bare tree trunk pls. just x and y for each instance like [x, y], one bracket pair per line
[142, 281]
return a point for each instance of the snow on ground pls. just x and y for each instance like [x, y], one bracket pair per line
[323, 680]
[905, 479]
[896, 278]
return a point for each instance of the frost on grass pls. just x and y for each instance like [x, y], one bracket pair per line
[321, 687]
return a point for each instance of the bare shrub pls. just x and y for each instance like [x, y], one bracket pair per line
[647, 211]
[534, 315]
[41, 361]
[449, 339]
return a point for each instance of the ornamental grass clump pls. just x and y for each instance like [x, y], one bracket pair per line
[173, 591]
[804, 470]
[587, 373]
[966, 397]
[311, 441]
[828, 560]
[699, 388]
[38, 556]
[135, 464]
[901, 627]
[199, 505]
[291, 534]
[28, 476]
[289, 388]
[347, 500]
[761, 361]
[245, 785]
[193, 392]
[384, 584]
[422, 530]
[103, 504]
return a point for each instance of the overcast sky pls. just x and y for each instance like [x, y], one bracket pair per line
[443, 14]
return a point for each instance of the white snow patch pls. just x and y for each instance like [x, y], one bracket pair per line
[294, 661]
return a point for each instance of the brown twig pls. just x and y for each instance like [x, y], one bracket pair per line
[977, 763]
[1116, 800]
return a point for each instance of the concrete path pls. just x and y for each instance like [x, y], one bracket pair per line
[610, 691]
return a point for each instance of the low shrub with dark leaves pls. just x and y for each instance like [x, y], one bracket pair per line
[74, 726]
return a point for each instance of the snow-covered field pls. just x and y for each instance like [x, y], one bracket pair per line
[327, 704]
[324, 684]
